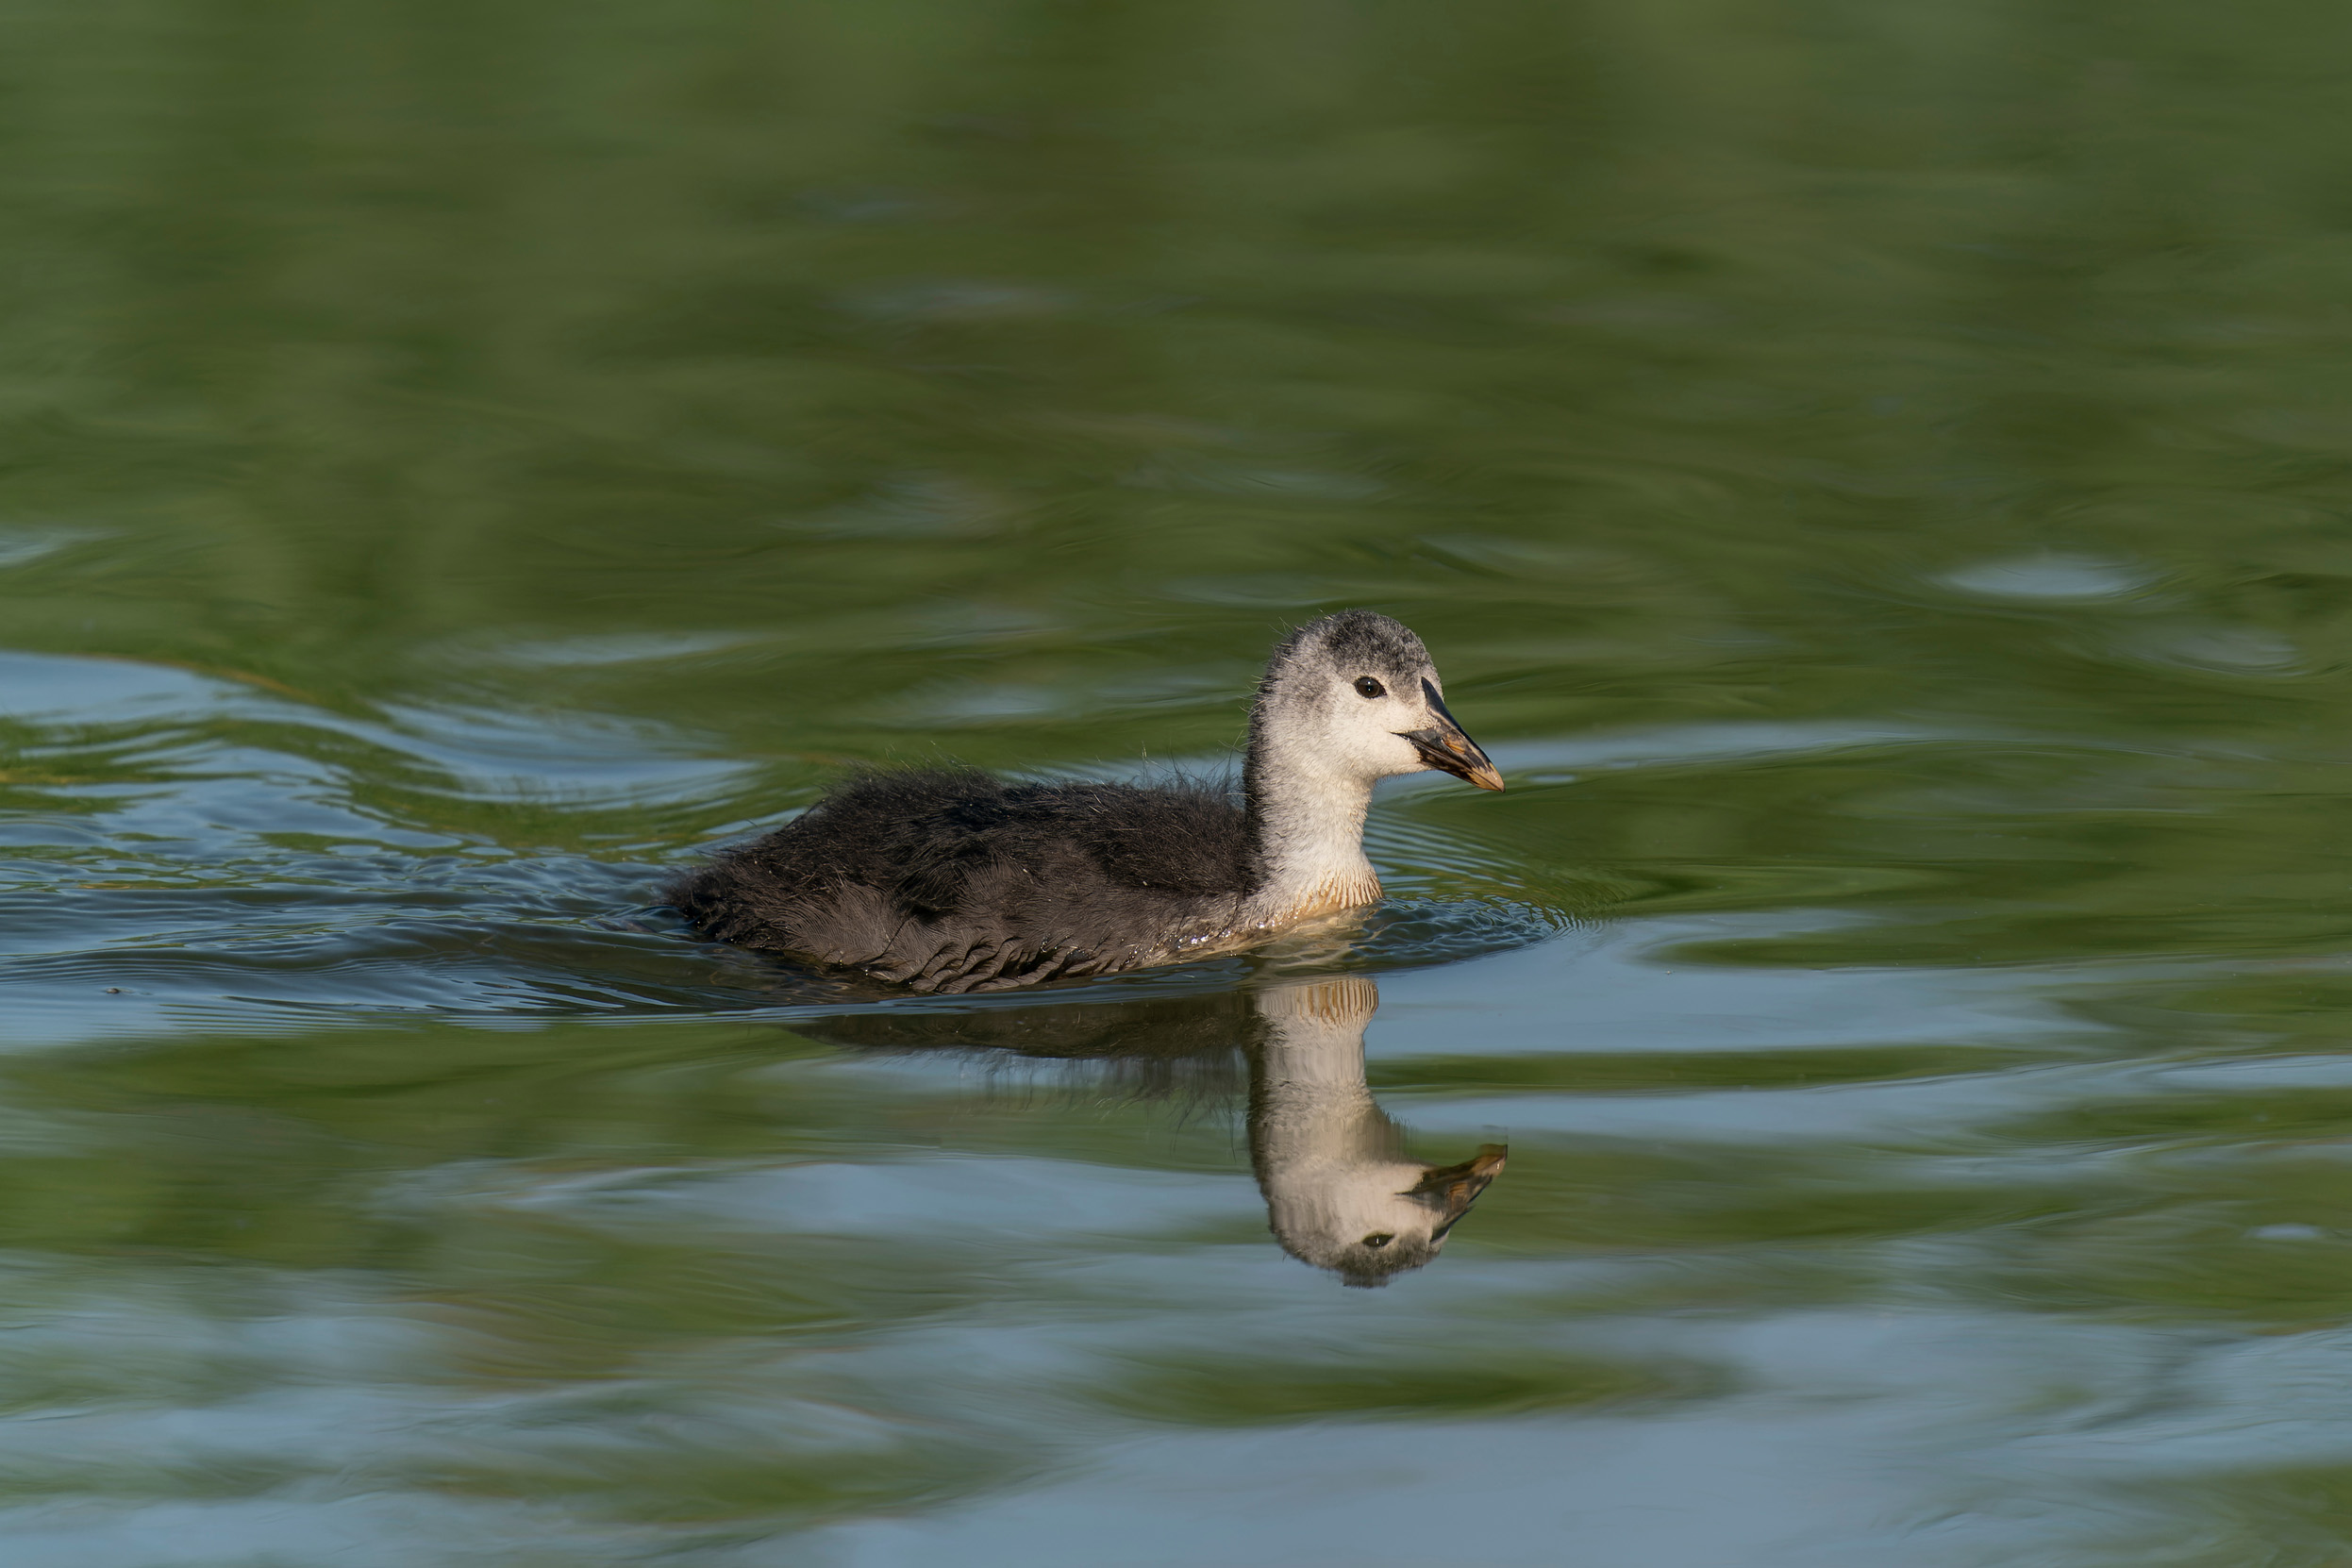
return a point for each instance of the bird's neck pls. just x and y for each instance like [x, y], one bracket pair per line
[1307, 825]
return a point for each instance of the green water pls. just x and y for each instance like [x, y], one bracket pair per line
[1879, 480]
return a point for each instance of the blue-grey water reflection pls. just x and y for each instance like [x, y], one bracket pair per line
[1341, 1192]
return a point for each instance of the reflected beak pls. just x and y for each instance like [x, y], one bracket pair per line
[1446, 747]
[1452, 1188]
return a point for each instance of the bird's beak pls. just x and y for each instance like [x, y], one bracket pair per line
[1452, 1188]
[1445, 746]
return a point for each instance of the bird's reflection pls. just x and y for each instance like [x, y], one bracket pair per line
[1341, 1192]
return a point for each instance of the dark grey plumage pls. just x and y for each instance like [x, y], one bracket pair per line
[950, 880]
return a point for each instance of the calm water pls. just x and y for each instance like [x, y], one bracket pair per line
[1877, 478]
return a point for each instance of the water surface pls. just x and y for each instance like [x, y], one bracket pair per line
[1874, 477]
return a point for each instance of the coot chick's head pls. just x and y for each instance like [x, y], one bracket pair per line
[1356, 695]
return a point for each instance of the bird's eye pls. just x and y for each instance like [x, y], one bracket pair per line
[1379, 1239]
[1367, 687]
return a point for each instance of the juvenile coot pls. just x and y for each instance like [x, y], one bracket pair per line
[947, 879]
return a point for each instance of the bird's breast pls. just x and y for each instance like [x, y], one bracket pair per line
[1332, 896]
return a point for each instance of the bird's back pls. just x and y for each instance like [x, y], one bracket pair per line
[950, 879]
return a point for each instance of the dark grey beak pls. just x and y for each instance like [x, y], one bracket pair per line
[1452, 1188]
[1449, 749]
